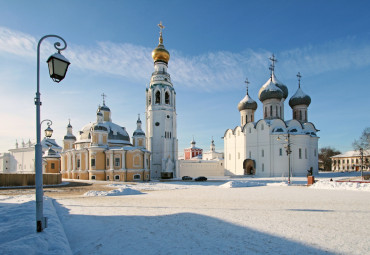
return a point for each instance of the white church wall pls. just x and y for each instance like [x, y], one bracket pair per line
[239, 150]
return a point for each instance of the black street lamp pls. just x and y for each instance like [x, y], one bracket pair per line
[58, 66]
[288, 151]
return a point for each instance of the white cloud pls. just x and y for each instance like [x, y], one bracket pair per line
[212, 70]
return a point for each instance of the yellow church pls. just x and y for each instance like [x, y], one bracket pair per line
[103, 151]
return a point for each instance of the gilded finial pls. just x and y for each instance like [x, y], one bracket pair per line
[161, 27]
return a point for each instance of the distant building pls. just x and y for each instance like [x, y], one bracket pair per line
[350, 161]
[198, 165]
[271, 146]
[192, 151]
[22, 158]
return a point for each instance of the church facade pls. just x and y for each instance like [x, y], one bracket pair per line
[272, 146]
[103, 151]
[161, 126]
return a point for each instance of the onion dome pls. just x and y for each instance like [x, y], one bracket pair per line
[160, 53]
[269, 91]
[138, 131]
[299, 98]
[104, 108]
[280, 85]
[69, 135]
[247, 103]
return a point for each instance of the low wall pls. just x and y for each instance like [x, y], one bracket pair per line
[28, 179]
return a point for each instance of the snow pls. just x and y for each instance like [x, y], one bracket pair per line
[230, 216]
[341, 185]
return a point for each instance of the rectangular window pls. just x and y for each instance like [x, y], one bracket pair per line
[263, 167]
[250, 154]
[300, 153]
[263, 153]
[116, 162]
[280, 152]
[92, 162]
[52, 165]
[305, 153]
[314, 152]
[107, 161]
[78, 163]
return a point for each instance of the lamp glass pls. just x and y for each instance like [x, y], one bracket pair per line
[48, 132]
[58, 66]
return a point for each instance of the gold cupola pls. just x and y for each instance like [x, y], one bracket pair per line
[160, 53]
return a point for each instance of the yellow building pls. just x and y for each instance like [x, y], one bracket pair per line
[103, 151]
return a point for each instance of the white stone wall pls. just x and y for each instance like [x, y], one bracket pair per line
[195, 168]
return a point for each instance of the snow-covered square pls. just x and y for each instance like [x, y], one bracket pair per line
[235, 216]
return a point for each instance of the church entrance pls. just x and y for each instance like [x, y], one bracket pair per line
[249, 167]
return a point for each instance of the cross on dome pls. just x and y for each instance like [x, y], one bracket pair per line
[104, 96]
[246, 82]
[161, 27]
[273, 60]
[299, 79]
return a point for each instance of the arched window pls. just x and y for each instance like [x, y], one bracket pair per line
[246, 118]
[305, 115]
[277, 112]
[158, 97]
[300, 115]
[270, 110]
[167, 98]
[294, 115]
[265, 112]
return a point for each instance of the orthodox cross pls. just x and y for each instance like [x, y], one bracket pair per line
[161, 27]
[247, 82]
[273, 60]
[104, 96]
[299, 79]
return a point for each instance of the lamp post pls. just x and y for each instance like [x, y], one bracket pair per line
[362, 163]
[58, 66]
[288, 152]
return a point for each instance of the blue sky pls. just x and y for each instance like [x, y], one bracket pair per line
[214, 46]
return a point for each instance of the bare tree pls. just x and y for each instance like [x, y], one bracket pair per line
[362, 145]
[364, 141]
[325, 154]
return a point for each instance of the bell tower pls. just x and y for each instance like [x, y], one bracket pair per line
[161, 128]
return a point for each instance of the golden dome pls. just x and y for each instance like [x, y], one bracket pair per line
[160, 53]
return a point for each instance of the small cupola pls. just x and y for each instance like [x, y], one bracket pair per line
[299, 102]
[247, 106]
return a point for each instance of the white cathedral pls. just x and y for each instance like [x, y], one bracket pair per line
[272, 146]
